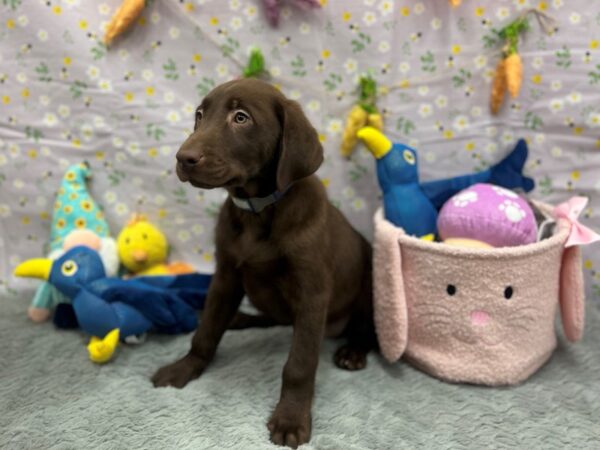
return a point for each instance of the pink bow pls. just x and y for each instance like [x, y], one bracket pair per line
[579, 234]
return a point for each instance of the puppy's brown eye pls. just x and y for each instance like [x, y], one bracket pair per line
[240, 117]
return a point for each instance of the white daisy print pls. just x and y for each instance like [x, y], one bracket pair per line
[147, 75]
[593, 119]
[173, 116]
[575, 18]
[436, 23]
[236, 23]
[42, 35]
[93, 72]
[425, 110]
[404, 67]
[334, 127]
[441, 101]
[64, 111]
[174, 32]
[460, 123]
[556, 85]
[385, 7]
[50, 120]
[350, 65]
[383, 47]
[369, 18]
[556, 105]
[574, 98]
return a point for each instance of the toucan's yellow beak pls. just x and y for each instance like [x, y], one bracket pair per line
[34, 268]
[375, 141]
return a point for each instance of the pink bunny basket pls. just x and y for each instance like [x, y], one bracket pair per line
[483, 316]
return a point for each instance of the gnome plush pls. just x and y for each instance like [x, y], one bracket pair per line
[77, 220]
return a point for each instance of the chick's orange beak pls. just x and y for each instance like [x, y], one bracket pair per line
[139, 255]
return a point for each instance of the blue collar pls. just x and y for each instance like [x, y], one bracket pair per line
[257, 204]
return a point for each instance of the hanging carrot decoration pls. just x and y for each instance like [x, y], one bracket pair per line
[498, 88]
[455, 3]
[123, 18]
[362, 114]
[509, 71]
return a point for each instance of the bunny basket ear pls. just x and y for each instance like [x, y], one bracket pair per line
[391, 316]
[572, 294]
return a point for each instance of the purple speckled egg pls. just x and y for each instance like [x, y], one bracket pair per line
[489, 214]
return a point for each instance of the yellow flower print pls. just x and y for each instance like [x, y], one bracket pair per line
[150, 90]
[57, 10]
[189, 7]
[537, 78]
[100, 155]
[197, 57]
[470, 146]
[73, 196]
[405, 11]
[10, 24]
[346, 16]
[70, 176]
[162, 213]
[68, 209]
[83, 24]
[323, 2]
[448, 134]
[594, 44]
[25, 93]
[325, 181]
[588, 264]
[86, 205]
[214, 21]
[456, 49]
[44, 215]
[325, 54]
[542, 6]
[575, 175]
[67, 61]
[76, 142]
[208, 257]
[322, 137]
[152, 152]
[32, 153]
[128, 97]
[141, 21]
[25, 220]
[60, 223]
[404, 84]
[479, 11]
[5, 99]
[80, 222]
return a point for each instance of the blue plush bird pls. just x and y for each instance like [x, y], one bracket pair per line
[414, 206]
[112, 309]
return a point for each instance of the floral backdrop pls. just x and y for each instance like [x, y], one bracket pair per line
[65, 98]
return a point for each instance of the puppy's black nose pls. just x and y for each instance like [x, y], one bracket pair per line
[189, 159]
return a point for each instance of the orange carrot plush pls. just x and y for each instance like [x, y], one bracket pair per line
[498, 87]
[513, 68]
[455, 3]
[123, 18]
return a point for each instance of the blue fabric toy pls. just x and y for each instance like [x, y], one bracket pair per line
[110, 309]
[413, 206]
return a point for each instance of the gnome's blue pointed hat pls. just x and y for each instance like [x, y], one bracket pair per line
[75, 208]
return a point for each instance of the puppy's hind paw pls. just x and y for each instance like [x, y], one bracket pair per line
[350, 358]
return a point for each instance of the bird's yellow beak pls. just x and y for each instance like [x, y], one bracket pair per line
[34, 268]
[375, 141]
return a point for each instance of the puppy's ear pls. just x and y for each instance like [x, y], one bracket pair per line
[301, 153]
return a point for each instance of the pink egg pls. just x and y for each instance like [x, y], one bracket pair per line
[489, 214]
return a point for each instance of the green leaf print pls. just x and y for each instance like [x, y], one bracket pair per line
[12, 4]
[43, 72]
[170, 70]
[68, 37]
[595, 75]
[491, 40]
[77, 88]
[154, 131]
[462, 78]
[545, 186]
[358, 45]
[298, 65]
[357, 171]
[205, 86]
[563, 57]
[428, 62]
[212, 210]
[33, 133]
[462, 24]
[98, 51]
[180, 196]
[533, 121]
[2, 178]
[230, 46]
[332, 82]
[405, 126]
[115, 177]
[596, 290]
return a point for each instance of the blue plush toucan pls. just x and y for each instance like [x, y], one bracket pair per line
[414, 206]
[110, 309]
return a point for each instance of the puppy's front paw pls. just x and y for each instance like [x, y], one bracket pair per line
[290, 426]
[179, 373]
[350, 358]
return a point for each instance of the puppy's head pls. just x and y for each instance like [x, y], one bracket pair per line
[246, 129]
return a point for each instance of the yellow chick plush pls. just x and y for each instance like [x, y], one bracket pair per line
[143, 248]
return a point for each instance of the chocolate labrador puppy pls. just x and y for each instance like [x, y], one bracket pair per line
[278, 240]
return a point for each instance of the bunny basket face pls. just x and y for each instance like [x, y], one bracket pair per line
[483, 316]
